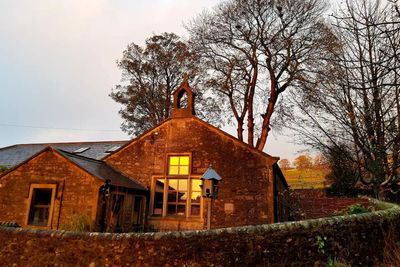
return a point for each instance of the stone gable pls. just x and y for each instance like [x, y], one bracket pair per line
[76, 191]
[246, 192]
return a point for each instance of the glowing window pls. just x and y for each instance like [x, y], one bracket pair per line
[178, 197]
[178, 165]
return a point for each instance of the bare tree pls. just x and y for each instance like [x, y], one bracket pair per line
[355, 104]
[254, 50]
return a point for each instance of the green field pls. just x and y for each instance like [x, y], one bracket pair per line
[306, 179]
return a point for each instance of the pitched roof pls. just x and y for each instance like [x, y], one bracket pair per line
[13, 155]
[102, 170]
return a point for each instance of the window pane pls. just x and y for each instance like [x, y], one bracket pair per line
[181, 210]
[174, 160]
[184, 170]
[182, 185]
[182, 197]
[172, 196]
[196, 185]
[42, 196]
[184, 160]
[171, 209]
[173, 170]
[195, 210]
[172, 184]
[158, 203]
[39, 216]
[158, 197]
[160, 185]
[196, 196]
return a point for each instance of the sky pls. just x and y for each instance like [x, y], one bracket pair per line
[58, 65]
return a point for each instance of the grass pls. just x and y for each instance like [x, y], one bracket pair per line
[78, 223]
[307, 178]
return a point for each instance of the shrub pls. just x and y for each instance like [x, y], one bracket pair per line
[353, 209]
[78, 223]
[344, 172]
[356, 209]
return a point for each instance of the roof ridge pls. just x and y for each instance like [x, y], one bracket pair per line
[76, 155]
[68, 143]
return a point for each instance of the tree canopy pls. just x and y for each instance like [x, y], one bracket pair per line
[354, 105]
[254, 50]
[149, 76]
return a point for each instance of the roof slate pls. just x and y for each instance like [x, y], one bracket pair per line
[103, 171]
[13, 155]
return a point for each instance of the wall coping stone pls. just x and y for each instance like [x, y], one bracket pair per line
[387, 210]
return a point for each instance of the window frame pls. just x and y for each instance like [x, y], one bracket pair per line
[53, 188]
[165, 178]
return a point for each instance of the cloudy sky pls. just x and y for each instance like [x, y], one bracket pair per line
[57, 65]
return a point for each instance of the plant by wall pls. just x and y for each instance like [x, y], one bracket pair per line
[78, 223]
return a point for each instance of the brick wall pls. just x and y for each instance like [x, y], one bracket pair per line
[246, 192]
[356, 239]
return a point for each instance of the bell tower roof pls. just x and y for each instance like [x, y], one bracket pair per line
[183, 106]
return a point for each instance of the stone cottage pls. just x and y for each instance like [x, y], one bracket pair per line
[152, 181]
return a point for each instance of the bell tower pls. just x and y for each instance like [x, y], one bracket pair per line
[183, 106]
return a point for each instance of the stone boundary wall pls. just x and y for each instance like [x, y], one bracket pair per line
[324, 207]
[357, 239]
[313, 203]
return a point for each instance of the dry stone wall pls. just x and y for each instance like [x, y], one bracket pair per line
[358, 239]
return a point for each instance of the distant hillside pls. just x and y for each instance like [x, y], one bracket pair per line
[307, 178]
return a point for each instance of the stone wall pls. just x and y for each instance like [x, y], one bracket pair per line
[246, 191]
[76, 191]
[357, 239]
[313, 203]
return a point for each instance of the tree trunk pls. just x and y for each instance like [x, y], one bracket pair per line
[250, 115]
[262, 140]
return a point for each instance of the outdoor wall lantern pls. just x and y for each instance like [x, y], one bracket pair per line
[209, 188]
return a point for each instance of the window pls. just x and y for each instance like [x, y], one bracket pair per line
[178, 193]
[158, 197]
[81, 150]
[195, 199]
[177, 197]
[178, 165]
[41, 203]
[112, 149]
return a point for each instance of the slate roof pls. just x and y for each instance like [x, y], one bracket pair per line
[103, 171]
[13, 155]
